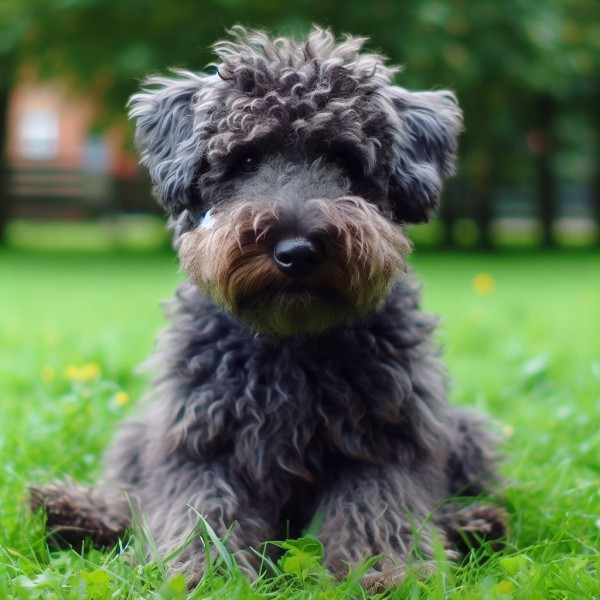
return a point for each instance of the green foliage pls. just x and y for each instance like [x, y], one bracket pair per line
[520, 344]
[491, 52]
[302, 558]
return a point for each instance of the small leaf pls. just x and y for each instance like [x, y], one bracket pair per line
[174, 589]
[306, 545]
[511, 564]
[97, 584]
[302, 557]
[536, 366]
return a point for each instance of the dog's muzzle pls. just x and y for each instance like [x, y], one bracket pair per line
[298, 270]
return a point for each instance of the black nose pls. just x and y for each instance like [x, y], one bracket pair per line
[298, 257]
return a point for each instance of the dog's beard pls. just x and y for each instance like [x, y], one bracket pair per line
[281, 313]
[231, 262]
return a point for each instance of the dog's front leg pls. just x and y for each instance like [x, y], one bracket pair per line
[377, 510]
[213, 492]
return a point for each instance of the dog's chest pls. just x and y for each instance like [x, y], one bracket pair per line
[292, 407]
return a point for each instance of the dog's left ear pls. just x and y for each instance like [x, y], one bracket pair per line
[425, 128]
[167, 118]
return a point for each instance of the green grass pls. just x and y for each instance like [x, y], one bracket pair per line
[527, 352]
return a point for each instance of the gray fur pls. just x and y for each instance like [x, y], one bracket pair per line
[336, 402]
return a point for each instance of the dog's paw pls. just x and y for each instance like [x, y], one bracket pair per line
[75, 513]
[376, 582]
[474, 525]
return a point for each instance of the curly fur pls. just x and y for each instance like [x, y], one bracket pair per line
[280, 395]
[326, 95]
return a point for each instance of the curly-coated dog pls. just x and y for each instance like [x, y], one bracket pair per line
[297, 376]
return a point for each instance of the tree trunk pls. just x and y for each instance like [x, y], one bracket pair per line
[483, 199]
[6, 78]
[447, 214]
[596, 179]
[482, 192]
[482, 174]
[547, 197]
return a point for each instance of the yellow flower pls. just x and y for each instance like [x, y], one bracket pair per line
[87, 372]
[72, 372]
[48, 373]
[504, 587]
[483, 284]
[508, 431]
[90, 371]
[122, 398]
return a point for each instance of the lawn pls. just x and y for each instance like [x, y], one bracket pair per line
[521, 334]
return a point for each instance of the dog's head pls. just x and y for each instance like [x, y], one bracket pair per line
[291, 173]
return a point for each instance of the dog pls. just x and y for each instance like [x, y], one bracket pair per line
[298, 376]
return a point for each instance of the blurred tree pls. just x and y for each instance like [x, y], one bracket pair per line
[14, 23]
[515, 64]
[4, 213]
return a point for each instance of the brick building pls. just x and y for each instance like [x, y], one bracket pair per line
[58, 166]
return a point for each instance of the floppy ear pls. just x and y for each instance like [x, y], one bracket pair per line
[168, 120]
[425, 128]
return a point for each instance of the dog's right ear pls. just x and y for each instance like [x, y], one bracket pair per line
[424, 127]
[167, 121]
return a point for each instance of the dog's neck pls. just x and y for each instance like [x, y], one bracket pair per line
[398, 327]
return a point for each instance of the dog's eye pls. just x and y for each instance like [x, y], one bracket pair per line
[206, 219]
[347, 162]
[249, 163]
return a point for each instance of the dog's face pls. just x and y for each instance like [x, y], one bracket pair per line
[291, 173]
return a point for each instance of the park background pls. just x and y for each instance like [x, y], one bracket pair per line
[511, 263]
[526, 75]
